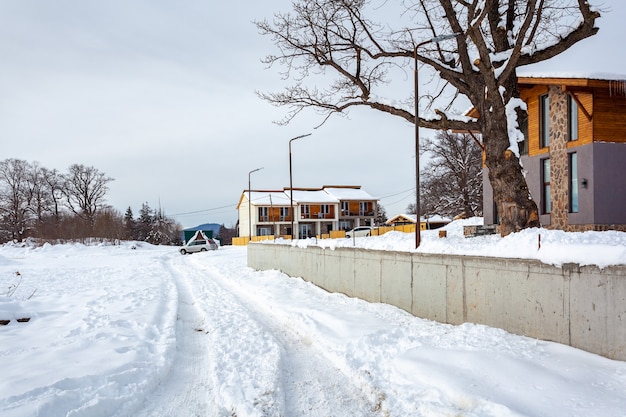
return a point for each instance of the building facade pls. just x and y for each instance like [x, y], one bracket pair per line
[318, 211]
[574, 154]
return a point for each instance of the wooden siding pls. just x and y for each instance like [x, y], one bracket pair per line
[585, 126]
[609, 116]
[273, 215]
[605, 103]
[608, 123]
[531, 97]
[315, 212]
[354, 208]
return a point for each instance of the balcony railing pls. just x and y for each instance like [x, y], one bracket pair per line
[272, 219]
[345, 213]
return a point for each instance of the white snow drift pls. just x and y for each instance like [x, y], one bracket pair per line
[116, 331]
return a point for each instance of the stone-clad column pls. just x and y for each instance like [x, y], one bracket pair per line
[559, 179]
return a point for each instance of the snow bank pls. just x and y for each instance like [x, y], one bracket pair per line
[553, 247]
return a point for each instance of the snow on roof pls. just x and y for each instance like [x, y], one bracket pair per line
[312, 196]
[269, 198]
[327, 195]
[411, 217]
[349, 193]
[605, 76]
[438, 219]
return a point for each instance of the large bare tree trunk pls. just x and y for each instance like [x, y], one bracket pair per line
[516, 208]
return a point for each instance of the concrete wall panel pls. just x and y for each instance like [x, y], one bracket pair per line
[584, 307]
[367, 276]
[396, 277]
[429, 289]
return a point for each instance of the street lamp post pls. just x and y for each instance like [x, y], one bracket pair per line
[291, 180]
[436, 39]
[249, 203]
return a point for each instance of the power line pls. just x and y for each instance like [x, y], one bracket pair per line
[203, 211]
[398, 193]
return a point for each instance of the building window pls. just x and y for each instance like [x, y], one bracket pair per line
[544, 121]
[573, 183]
[284, 214]
[345, 225]
[305, 211]
[345, 208]
[363, 208]
[324, 211]
[546, 203]
[572, 118]
[263, 214]
[305, 231]
[264, 231]
[496, 214]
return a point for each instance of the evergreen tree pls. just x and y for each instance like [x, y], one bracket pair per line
[145, 221]
[381, 216]
[130, 226]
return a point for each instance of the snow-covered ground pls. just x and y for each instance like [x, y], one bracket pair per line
[553, 247]
[117, 331]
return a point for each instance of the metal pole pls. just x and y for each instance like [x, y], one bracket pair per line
[249, 204]
[417, 153]
[291, 181]
[436, 39]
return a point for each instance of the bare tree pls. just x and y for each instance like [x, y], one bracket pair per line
[451, 182]
[50, 201]
[491, 39]
[52, 182]
[85, 189]
[109, 224]
[15, 196]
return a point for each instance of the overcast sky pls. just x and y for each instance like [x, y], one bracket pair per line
[159, 95]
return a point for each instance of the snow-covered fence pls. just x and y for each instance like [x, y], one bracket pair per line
[581, 306]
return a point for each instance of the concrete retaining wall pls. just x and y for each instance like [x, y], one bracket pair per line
[584, 307]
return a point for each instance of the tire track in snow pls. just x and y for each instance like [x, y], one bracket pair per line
[225, 365]
[187, 389]
[235, 359]
[311, 384]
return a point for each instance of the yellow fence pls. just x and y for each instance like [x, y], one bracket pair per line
[243, 241]
[334, 234]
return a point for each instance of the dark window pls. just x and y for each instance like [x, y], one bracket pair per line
[544, 121]
[496, 214]
[546, 203]
[573, 183]
[305, 211]
[572, 118]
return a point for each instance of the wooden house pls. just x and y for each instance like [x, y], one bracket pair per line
[574, 152]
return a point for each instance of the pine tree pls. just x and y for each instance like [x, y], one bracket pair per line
[130, 225]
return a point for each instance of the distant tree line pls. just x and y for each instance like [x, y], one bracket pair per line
[44, 203]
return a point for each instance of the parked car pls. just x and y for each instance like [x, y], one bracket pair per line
[198, 246]
[360, 231]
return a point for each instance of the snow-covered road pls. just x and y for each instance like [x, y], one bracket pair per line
[259, 363]
[145, 332]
